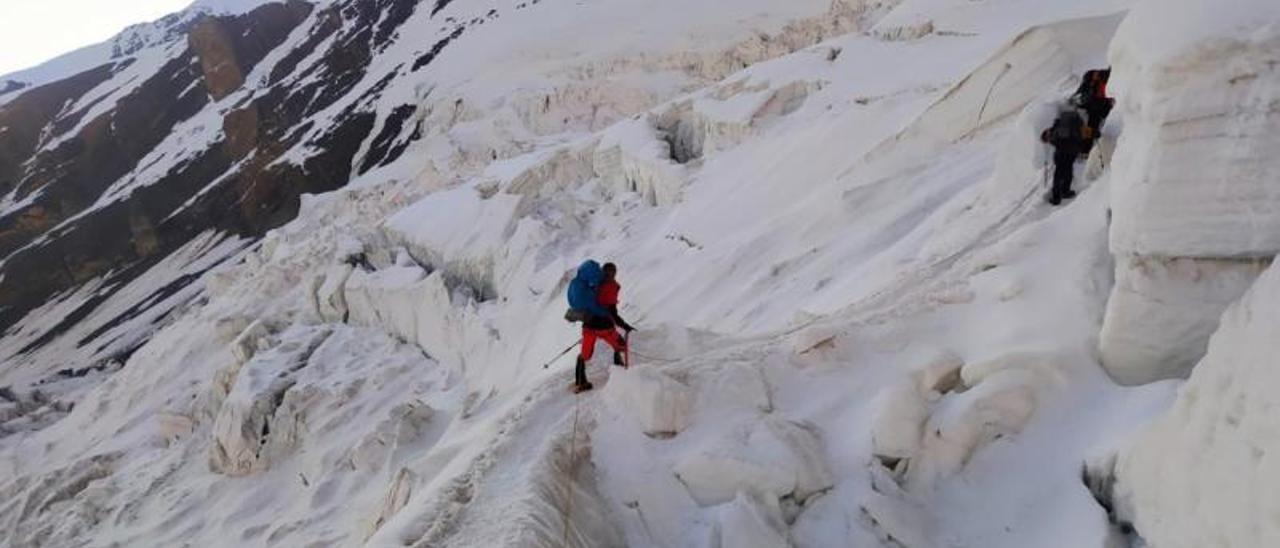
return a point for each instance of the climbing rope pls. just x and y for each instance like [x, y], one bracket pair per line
[573, 461]
[987, 99]
[652, 358]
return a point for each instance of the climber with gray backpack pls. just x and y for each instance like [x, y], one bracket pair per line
[593, 300]
[1069, 136]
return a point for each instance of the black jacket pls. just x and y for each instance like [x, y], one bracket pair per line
[1067, 135]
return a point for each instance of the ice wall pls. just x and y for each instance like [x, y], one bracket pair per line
[1205, 473]
[1196, 208]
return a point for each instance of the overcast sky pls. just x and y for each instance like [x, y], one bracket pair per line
[34, 31]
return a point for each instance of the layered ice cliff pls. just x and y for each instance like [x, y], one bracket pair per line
[1197, 220]
[1196, 208]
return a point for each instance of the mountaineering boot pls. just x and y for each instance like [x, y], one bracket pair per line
[580, 376]
[579, 388]
[617, 358]
[1069, 194]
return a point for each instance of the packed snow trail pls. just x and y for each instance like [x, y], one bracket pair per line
[533, 484]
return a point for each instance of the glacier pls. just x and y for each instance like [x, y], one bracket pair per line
[859, 323]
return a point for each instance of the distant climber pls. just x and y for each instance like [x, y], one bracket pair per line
[1092, 98]
[597, 320]
[1067, 135]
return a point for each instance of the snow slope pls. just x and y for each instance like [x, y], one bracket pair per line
[162, 32]
[859, 323]
[212, 169]
[292, 98]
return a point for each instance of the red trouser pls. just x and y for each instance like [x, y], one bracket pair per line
[589, 337]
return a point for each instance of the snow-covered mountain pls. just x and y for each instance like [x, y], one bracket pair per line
[125, 45]
[288, 274]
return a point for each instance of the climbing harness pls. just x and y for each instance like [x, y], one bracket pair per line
[649, 358]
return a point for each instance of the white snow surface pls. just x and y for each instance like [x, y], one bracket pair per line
[859, 323]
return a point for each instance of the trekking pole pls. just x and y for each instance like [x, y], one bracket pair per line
[1045, 170]
[560, 355]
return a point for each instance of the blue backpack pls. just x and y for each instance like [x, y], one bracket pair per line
[582, 293]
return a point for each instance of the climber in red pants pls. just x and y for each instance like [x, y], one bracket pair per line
[599, 320]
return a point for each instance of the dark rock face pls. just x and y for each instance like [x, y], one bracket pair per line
[440, 4]
[384, 149]
[25, 117]
[426, 58]
[214, 47]
[10, 86]
[69, 230]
